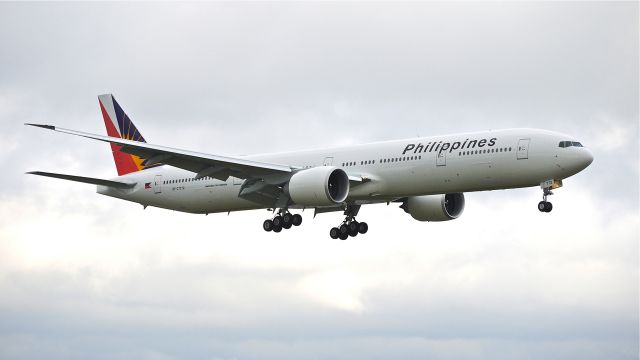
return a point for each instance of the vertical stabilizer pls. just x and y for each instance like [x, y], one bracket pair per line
[119, 125]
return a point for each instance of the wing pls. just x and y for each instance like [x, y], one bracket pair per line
[220, 167]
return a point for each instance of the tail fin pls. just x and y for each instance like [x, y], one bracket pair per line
[120, 126]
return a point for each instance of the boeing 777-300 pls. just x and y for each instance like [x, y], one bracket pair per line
[427, 176]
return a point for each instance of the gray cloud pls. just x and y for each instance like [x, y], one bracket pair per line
[85, 276]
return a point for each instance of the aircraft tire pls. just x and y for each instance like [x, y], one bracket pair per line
[548, 207]
[277, 221]
[267, 225]
[344, 236]
[363, 228]
[344, 230]
[334, 233]
[542, 206]
[277, 229]
[297, 220]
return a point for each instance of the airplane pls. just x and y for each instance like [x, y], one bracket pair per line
[427, 176]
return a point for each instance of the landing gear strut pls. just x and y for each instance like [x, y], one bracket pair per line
[349, 227]
[544, 205]
[284, 220]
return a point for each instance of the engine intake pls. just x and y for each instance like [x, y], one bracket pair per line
[318, 186]
[435, 207]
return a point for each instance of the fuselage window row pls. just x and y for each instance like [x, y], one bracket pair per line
[485, 151]
[175, 181]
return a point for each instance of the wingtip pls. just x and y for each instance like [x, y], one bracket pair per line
[50, 127]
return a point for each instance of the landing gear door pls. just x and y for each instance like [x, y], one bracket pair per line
[523, 149]
[441, 159]
[157, 184]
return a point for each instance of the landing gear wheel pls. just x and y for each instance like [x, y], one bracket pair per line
[353, 226]
[344, 236]
[334, 233]
[267, 225]
[297, 220]
[287, 225]
[542, 205]
[344, 230]
[287, 219]
[545, 206]
[277, 229]
[363, 228]
[277, 221]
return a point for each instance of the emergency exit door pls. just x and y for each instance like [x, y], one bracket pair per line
[157, 184]
[523, 149]
[441, 158]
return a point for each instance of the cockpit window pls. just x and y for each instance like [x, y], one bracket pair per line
[564, 144]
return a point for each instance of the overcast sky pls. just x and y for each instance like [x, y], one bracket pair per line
[85, 276]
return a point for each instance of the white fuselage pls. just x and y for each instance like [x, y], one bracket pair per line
[501, 159]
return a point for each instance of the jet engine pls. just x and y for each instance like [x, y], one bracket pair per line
[318, 186]
[434, 207]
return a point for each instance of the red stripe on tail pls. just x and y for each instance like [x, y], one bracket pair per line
[125, 163]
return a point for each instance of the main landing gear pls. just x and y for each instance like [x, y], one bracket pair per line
[284, 220]
[544, 205]
[349, 227]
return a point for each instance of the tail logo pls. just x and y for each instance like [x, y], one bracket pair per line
[119, 125]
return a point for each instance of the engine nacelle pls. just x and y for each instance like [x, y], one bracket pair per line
[435, 207]
[318, 186]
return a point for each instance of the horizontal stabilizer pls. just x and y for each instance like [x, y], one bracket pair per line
[87, 180]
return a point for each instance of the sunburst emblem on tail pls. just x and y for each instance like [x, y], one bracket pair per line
[119, 125]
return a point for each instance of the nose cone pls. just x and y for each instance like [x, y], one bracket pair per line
[585, 158]
[573, 160]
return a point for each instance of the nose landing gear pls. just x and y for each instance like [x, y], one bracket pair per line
[544, 205]
[284, 220]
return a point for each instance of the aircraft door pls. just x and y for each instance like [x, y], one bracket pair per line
[523, 149]
[441, 159]
[157, 184]
[328, 161]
